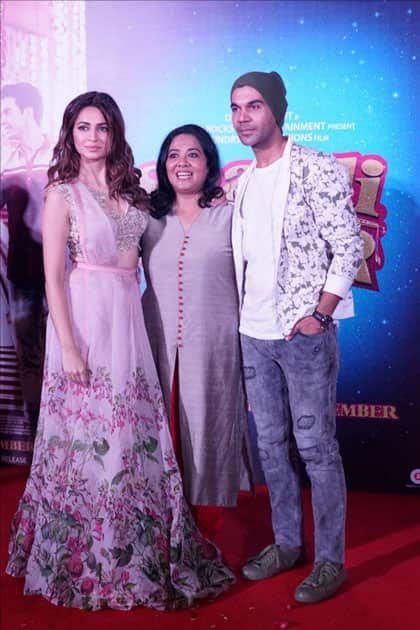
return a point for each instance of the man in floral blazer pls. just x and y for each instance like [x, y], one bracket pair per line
[297, 249]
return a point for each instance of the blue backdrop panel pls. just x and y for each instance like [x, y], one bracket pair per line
[352, 73]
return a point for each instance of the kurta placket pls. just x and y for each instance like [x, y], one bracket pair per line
[181, 289]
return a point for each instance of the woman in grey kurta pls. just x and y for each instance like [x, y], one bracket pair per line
[191, 313]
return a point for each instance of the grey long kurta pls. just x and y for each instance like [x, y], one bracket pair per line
[191, 309]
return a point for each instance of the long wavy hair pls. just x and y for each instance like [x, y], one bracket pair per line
[163, 197]
[123, 178]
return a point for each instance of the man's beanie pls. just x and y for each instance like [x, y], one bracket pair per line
[270, 85]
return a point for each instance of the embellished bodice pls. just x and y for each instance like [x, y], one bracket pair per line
[128, 227]
[98, 234]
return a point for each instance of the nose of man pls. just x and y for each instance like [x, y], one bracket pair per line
[243, 115]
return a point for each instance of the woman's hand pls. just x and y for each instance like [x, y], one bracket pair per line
[219, 201]
[75, 368]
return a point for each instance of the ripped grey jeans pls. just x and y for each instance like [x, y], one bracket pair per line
[291, 388]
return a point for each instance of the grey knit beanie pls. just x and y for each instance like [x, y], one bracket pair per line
[271, 87]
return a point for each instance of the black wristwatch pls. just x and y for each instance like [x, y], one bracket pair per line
[324, 320]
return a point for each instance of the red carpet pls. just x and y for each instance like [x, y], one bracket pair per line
[382, 593]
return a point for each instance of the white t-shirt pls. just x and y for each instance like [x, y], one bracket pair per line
[260, 247]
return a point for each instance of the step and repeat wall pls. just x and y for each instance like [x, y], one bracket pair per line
[353, 84]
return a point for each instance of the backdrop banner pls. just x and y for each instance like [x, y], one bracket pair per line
[352, 75]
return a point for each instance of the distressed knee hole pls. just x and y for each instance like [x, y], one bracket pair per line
[311, 454]
[306, 422]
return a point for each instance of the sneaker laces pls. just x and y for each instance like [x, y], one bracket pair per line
[321, 573]
[266, 554]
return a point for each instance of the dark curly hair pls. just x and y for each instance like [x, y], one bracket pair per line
[123, 178]
[164, 196]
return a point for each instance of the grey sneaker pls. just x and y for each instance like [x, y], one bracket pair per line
[322, 583]
[271, 560]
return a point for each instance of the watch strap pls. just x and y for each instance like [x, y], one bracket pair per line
[324, 320]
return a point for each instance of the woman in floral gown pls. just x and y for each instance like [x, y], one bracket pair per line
[103, 521]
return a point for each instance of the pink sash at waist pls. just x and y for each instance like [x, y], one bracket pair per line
[81, 265]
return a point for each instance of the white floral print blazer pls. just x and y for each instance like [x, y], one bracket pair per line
[320, 247]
